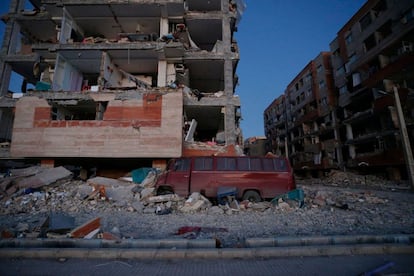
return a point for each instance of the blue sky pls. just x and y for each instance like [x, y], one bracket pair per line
[276, 38]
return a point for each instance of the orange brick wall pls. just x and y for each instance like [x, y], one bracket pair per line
[141, 128]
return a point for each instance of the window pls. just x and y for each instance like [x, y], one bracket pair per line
[280, 165]
[243, 164]
[365, 21]
[322, 84]
[182, 165]
[308, 78]
[268, 165]
[226, 164]
[348, 39]
[370, 43]
[255, 164]
[319, 68]
[340, 71]
[203, 164]
[343, 90]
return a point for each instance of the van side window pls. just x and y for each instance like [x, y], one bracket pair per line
[226, 164]
[268, 165]
[280, 165]
[243, 164]
[255, 164]
[182, 165]
[203, 164]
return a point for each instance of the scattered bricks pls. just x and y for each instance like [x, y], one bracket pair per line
[108, 236]
[86, 228]
[7, 234]
[47, 163]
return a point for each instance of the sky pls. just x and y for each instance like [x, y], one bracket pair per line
[276, 39]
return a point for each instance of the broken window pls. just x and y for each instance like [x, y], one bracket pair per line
[384, 31]
[370, 43]
[365, 21]
[81, 110]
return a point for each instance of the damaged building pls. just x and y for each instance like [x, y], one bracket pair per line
[302, 122]
[340, 111]
[120, 79]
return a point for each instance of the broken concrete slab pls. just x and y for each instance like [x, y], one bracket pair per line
[59, 223]
[44, 178]
[24, 172]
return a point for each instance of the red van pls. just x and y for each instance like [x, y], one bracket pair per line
[255, 178]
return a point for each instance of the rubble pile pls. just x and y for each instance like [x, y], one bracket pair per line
[109, 208]
[351, 179]
[103, 194]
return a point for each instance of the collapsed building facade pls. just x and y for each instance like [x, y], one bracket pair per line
[120, 79]
[350, 121]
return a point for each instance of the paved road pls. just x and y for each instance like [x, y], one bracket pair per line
[340, 265]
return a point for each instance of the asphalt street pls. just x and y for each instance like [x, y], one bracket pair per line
[339, 265]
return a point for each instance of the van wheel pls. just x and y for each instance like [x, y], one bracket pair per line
[252, 196]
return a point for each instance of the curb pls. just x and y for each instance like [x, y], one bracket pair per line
[97, 243]
[228, 253]
[206, 248]
[329, 240]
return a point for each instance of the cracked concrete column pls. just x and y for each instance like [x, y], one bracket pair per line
[162, 73]
[229, 113]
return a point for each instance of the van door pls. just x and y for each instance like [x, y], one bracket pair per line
[179, 176]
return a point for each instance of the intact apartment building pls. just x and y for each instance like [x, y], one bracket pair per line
[137, 79]
[349, 119]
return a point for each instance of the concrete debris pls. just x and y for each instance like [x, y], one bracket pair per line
[349, 179]
[70, 197]
[27, 179]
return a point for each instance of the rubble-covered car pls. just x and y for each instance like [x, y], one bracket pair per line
[252, 178]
